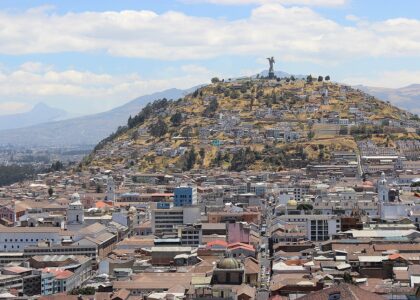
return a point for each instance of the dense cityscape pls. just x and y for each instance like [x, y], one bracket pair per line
[210, 149]
[231, 209]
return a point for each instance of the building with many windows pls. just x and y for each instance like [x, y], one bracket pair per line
[322, 228]
[185, 196]
[166, 221]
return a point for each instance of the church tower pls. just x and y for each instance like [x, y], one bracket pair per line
[383, 190]
[110, 189]
[75, 213]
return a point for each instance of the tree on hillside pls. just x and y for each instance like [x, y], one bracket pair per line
[321, 154]
[311, 135]
[343, 130]
[234, 94]
[309, 79]
[189, 160]
[242, 159]
[327, 78]
[217, 160]
[158, 129]
[50, 191]
[320, 78]
[251, 103]
[202, 153]
[57, 166]
[176, 119]
[211, 108]
[215, 80]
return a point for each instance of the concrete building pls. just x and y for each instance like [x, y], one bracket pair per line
[321, 229]
[14, 239]
[190, 234]
[166, 221]
[185, 196]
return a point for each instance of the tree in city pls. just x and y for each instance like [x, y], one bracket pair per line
[89, 290]
[304, 206]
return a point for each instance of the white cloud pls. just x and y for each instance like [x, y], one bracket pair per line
[11, 107]
[352, 18]
[294, 33]
[285, 2]
[82, 90]
[389, 79]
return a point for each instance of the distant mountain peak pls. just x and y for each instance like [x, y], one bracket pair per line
[41, 106]
[40, 113]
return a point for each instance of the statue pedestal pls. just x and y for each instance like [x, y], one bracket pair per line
[271, 75]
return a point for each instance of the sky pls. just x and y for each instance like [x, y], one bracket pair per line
[91, 56]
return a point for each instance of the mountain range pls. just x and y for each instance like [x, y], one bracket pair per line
[85, 130]
[406, 97]
[40, 113]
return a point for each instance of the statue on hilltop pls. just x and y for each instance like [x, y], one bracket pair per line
[271, 61]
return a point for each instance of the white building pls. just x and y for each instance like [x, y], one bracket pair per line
[15, 239]
[383, 189]
[167, 220]
[75, 212]
[316, 227]
[110, 189]
[321, 229]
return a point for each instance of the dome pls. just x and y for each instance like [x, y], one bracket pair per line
[228, 263]
[292, 202]
[75, 197]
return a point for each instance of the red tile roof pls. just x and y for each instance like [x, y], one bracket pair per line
[217, 243]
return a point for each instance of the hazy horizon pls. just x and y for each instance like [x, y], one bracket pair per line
[91, 57]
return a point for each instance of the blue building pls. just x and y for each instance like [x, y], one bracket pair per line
[185, 196]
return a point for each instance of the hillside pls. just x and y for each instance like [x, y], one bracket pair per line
[86, 130]
[257, 124]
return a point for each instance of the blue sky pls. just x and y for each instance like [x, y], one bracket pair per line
[90, 56]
